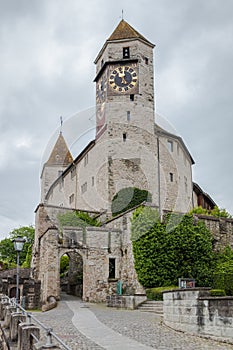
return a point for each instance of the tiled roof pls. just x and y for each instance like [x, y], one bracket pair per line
[125, 31]
[60, 154]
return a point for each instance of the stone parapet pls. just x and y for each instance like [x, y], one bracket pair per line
[194, 311]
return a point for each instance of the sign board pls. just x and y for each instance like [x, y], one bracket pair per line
[186, 283]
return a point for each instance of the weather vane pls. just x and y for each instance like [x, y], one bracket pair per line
[122, 14]
[61, 120]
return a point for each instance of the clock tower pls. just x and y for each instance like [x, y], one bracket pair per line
[125, 112]
[124, 81]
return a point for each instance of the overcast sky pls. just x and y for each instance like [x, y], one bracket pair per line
[47, 49]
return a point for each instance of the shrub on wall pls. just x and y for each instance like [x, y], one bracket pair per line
[165, 252]
[128, 198]
[157, 293]
[77, 219]
[216, 212]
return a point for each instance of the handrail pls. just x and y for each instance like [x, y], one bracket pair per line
[49, 331]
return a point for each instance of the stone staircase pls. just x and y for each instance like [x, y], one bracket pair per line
[152, 306]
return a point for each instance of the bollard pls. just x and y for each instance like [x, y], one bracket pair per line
[16, 318]
[25, 339]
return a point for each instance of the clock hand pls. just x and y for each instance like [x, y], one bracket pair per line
[122, 76]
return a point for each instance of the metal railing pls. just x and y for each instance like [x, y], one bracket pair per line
[49, 331]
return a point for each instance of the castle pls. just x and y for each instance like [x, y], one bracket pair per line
[130, 150]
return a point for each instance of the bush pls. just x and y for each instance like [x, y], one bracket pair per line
[217, 293]
[223, 276]
[157, 293]
[164, 252]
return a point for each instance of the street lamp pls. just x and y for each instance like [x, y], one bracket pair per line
[18, 245]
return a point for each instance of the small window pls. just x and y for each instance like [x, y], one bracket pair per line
[131, 97]
[126, 53]
[86, 160]
[171, 177]
[124, 136]
[128, 116]
[73, 172]
[61, 183]
[112, 268]
[170, 145]
[146, 60]
[71, 198]
[102, 63]
[84, 188]
[186, 184]
[92, 181]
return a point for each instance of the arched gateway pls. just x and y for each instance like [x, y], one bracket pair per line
[102, 255]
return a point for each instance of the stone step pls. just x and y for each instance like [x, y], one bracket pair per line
[152, 306]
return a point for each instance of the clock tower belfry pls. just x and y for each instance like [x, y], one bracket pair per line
[124, 81]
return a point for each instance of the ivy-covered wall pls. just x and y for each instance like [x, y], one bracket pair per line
[164, 252]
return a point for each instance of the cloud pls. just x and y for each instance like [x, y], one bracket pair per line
[47, 70]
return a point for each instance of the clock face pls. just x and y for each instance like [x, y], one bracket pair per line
[123, 79]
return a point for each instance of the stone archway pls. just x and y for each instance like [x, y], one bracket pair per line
[72, 281]
[12, 292]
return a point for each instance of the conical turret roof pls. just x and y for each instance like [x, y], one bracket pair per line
[60, 154]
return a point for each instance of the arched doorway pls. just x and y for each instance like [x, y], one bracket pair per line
[12, 293]
[71, 273]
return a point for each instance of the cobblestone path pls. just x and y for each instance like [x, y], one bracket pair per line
[132, 329]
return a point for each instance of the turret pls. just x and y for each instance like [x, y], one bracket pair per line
[59, 159]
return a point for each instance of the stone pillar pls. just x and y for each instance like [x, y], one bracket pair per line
[8, 311]
[25, 339]
[16, 318]
[3, 306]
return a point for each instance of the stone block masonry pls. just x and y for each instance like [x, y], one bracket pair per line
[194, 311]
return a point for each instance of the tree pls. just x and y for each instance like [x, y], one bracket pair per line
[64, 265]
[163, 252]
[7, 251]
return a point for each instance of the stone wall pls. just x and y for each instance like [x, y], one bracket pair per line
[28, 287]
[194, 311]
[221, 228]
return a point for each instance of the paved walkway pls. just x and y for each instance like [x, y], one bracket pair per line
[94, 326]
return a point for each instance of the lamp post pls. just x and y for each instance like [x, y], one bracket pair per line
[18, 245]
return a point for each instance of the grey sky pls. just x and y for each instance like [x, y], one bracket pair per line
[47, 49]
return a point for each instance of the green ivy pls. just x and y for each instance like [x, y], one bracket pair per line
[163, 253]
[223, 276]
[128, 198]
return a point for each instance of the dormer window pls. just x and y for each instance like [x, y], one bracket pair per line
[126, 53]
